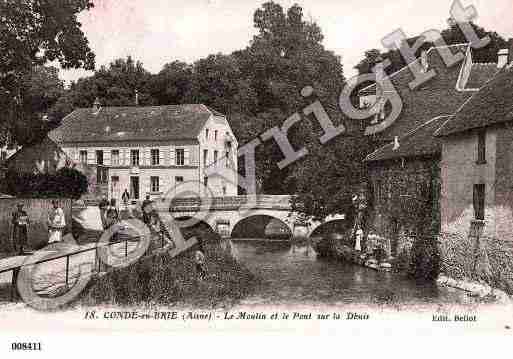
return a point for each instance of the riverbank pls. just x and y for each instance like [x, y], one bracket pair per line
[165, 281]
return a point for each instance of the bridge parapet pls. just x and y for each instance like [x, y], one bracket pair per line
[281, 202]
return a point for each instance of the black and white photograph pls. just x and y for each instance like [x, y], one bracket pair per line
[255, 166]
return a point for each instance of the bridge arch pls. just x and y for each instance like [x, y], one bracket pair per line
[336, 223]
[261, 226]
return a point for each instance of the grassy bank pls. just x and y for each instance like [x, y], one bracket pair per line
[162, 280]
[458, 261]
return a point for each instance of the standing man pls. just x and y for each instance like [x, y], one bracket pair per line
[56, 223]
[104, 203]
[146, 209]
[20, 222]
[125, 197]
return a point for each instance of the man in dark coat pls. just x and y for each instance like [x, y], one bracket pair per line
[20, 222]
[146, 210]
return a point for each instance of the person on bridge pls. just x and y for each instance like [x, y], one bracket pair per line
[20, 221]
[125, 197]
[146, 210]
[104, 203]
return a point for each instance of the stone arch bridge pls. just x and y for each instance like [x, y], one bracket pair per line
[223, 214]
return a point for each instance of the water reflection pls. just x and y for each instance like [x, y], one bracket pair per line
[292, 273]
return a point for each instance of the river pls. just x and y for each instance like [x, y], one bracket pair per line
[294, 275]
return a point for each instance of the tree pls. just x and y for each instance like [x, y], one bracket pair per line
[115, 85]
[42, 89]
[285, 56]
[173, 84]
[33, 33]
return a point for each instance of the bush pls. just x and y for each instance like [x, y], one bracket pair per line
[425, 259]
[163, 280]
[65, 183]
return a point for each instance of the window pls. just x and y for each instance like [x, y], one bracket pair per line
[99, 157]
[134, 157]
[3, 156]
[83, 156]
[215, 156]
[479, 201]
[481, 147]
[215, 135]
[205, 157]
[178, 179]
[155, 157]
[155, 185]
[101, 175]
[180, 156]
[206, 134]
[227, 155]
[114, 157]
[205, 181]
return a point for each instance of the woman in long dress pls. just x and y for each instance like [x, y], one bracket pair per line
[56, 223]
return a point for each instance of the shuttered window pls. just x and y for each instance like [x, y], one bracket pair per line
[155, 157]
[134, 157]
[180, 156]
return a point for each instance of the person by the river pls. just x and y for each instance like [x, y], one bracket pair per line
[56, 223]
[104, 203]
[20, 222]
[125, 197]
[199, 260]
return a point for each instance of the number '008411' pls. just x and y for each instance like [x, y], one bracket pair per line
[26, 346]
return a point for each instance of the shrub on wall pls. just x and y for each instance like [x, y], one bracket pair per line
[65, 183]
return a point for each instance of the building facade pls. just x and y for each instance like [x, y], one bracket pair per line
[477, 163]
[153, 150]
[407, 169]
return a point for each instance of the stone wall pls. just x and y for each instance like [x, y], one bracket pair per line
[399, 186]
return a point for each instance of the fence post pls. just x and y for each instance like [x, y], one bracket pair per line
[67, 271]
[14, 284]
[126, 247]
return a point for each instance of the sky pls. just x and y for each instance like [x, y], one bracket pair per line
[156, 32]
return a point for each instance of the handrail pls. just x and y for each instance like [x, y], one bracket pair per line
[15, 269]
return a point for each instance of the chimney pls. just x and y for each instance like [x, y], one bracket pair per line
[136, 97]
[424, 61]
[97, 105]
[503, 58]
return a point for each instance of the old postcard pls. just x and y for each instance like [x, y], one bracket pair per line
[255, 166]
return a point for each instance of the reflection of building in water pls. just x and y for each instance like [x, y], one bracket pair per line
[150, 150]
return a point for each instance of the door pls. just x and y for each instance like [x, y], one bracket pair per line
[134, 187]
[114, 191]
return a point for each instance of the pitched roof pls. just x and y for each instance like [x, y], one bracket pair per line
[436, 97]
[491, 105]
[480, 74]
[173, 122]
[419, 142]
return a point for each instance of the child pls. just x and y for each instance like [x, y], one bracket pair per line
[199, 259]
